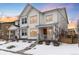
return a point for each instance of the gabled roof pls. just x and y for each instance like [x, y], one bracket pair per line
[25, 8]
[43, 11]
[38, 9]
[12, 27]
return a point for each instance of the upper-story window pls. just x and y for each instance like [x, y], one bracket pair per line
[24, 20]
[16, 22]
[33, 19]
[49, 18]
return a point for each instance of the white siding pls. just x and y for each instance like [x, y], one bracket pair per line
[41, 21]
[54, 17]
[62, 20]
[26, 10]
[32, 13]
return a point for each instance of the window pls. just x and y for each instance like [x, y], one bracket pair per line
[17, 23]
[48, 18]
[33, 33]
[24, 32]
[24, 20]
[33, 19]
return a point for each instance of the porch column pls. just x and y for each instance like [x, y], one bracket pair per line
[54, 33]
[39, 34]
[49, 33]
[9, 34]
[55, 36]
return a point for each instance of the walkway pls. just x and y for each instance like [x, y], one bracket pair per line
[14, 52]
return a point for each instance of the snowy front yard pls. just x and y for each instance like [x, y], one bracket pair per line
[63, 49]
[43, 49]
[6, 53]
[18, 45]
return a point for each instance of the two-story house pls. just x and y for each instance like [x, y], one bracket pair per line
[47, 25]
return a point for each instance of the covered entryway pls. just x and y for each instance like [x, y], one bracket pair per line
[44, 33]
[48, 32]
[13, 32]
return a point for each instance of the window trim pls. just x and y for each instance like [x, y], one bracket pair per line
[24, 31]
[35, 30]
[36, 19]
[23, 20]
[47, 16]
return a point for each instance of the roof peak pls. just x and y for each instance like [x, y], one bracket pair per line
[48, 9]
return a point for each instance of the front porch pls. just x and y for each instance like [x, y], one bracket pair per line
[48, 32]
[13, 33]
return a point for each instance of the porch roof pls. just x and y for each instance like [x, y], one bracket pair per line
[12, 27]
[46, 25]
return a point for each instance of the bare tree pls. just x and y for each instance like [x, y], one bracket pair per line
[78, 31]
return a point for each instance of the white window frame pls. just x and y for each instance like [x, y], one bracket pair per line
[24, 30]
[23, 20]
[47, 16]
[30, 19]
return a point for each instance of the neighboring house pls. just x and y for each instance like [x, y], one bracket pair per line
[5, 23]
[35, 24]
[14, 30]
[71, 36]
[4, 32]
[72, 26]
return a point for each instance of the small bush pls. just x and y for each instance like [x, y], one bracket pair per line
[47, 42]
[29, 41]
[24, 40]
[10, 47]
[55, 43]
[40, 42]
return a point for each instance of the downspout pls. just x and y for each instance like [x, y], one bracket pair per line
[39, 30]
[58, 25]
[19, 29]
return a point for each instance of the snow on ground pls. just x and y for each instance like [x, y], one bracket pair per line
[65, 49]
[2, 42]
[6, 53]
[19, 45]
[43, 49]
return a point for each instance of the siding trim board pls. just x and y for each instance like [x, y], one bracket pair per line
[27, 39]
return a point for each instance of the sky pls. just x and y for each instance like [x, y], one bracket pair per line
[14, 9]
